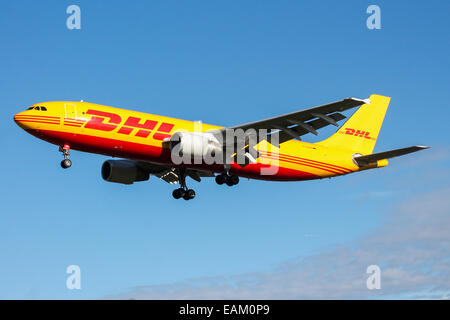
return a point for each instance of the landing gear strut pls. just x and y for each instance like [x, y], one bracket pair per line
[66, 163]
[230, 180]
[183, 191]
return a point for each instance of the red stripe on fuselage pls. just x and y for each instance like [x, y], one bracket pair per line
[306, 164]
[72, 125]
[36, 117]
[156, 154]
[324, 164]
[75, 122]
[71, 119]
[36, 121]
[294, 157]
[314, 164]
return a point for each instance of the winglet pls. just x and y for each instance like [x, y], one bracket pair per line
[364, 101]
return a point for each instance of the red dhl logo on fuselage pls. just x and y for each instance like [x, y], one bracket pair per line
[107, 121]
[358, 133]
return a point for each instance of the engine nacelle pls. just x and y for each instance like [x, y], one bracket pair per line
[195, 144]
[123, 171]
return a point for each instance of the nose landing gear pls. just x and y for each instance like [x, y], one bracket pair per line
[66, 163]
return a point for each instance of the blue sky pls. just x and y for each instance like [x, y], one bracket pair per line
[223, 63]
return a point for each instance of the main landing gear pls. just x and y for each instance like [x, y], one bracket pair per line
[66, 163]
[230, 180]
[183, 191]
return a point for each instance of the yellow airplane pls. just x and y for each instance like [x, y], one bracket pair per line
[173, 149]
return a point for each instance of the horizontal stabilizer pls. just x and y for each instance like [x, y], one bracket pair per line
[373, 158]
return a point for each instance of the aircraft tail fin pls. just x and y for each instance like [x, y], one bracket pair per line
[360, 132]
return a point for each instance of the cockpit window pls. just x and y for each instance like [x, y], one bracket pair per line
[41, 108]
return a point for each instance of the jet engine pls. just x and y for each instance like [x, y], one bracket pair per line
[123, 171]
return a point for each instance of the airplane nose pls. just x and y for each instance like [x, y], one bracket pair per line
[18, 119]
[17, 116]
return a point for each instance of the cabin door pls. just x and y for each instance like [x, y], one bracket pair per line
[70, 111]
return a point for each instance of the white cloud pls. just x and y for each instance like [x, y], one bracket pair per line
[412, 249]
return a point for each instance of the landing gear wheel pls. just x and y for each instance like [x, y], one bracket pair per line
[66, 163]
[233, 180]
[189, 194]
[230, 180]
[178, 193]
[220, 179]
[183, 191]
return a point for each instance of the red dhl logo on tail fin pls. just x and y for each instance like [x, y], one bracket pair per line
[358, 133]
[106, 121]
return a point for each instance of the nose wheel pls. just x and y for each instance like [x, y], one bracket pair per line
[183, 191]
[229, 180]
[66, 163]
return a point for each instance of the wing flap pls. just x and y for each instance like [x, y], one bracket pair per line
[314, 125]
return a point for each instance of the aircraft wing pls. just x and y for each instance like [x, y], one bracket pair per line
[372, 158]
[295, 124]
